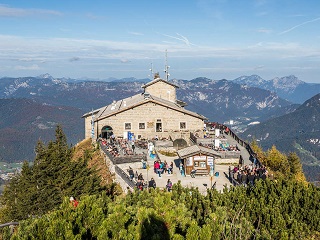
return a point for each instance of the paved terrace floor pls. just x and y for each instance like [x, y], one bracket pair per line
[201, 182]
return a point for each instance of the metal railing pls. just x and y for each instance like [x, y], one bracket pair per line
[125, 176]
[243, 144]
[9, 224]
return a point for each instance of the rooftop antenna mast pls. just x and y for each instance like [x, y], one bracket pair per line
[166, 68]
[151, 69]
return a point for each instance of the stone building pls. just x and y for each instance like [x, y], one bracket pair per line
[154, 112]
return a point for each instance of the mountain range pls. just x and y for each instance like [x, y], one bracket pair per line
[218, 100]
[23, 122]
[246, 100]
[298, 131]
[225, 100]
[288, 87]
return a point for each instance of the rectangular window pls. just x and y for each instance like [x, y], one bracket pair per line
[142, 126]
[203, 165]
[127, 126]
[183, 125]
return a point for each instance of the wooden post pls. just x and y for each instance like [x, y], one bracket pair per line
[148, 167]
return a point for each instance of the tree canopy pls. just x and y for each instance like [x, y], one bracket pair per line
[270, 210]
[282, 165]
[54, 175]
[282, 208]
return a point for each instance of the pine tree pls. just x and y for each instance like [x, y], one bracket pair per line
[277, 161]
[294, 163]
[296, 167]
[258, 151]
[282, 209]
[54, 175]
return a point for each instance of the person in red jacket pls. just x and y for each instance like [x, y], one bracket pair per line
[74, 202]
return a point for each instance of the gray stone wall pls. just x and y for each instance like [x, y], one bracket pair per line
[149, 114]
[162, 90]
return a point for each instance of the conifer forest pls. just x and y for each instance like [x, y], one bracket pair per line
[284, 207]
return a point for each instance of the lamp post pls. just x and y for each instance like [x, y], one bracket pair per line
[148, 167]
[231, 123]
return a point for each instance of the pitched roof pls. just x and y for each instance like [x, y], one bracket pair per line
[137, 100]
[195, 149]
[92, 112]
[159, 80]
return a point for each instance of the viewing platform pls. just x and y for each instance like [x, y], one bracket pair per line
[230, 152]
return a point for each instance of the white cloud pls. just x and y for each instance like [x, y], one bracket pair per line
[299, 25]
[32, 67]
[136, 33]
[180, 38]
[97, 54]
[6, 11]
[264, 30]
[259, 67]
[93, 16]
[29, 59]
[125, 61]
[124, 50]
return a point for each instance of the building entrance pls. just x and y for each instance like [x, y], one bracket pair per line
[106, 132]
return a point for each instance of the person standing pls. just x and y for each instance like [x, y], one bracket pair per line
[131, 173]
[152, 183]
[181, 168]
[158, 169]
[144, 164]
[168, 168]
[140, 184]
[133, 146]
[169, 185]
[74, 202]
[150, 148]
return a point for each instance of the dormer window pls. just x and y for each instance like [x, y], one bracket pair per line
[146, 95]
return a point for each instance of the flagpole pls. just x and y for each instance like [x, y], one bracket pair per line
[92, 125]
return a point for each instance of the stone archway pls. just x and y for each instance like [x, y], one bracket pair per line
[106, 132]
[179, 143]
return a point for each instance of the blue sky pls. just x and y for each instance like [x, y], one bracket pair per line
[217, 39]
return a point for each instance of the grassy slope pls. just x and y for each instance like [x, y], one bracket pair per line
[96, 160]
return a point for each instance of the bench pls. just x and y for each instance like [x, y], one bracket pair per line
[202, 172]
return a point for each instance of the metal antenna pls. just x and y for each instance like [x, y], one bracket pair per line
[151, 69]
[166, 68]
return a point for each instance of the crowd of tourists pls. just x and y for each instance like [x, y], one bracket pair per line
[222, 147]
[110, 147]
[121, 147]
[160, 167]
[248, 174]
[143, 184]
